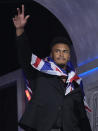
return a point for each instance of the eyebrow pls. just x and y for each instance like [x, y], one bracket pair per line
[63, 50]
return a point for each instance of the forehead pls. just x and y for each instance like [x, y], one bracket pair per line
[62, 46]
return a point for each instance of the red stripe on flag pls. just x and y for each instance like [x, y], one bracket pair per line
[37, 62]
[58, 70]
[71, 89]
[74, 78]
[88, 109]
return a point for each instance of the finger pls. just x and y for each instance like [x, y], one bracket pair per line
[16, 16]
[14, 20]
[18, 10]
[23, 9]
[27, 17]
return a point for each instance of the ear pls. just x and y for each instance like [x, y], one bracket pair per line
[69, 57]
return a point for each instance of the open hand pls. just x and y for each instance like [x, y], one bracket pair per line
[20, 20]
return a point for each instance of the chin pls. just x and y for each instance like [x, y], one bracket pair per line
[61, 63]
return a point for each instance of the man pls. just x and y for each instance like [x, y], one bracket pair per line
[57, 100]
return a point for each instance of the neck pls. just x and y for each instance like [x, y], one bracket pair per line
[62, 66]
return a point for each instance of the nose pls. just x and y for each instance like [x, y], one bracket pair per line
[61, 53]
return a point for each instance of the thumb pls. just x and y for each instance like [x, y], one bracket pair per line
[27, 17]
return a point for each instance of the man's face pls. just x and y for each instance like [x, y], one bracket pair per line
[60, 53]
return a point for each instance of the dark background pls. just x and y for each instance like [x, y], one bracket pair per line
[41, 28]
[8, 108]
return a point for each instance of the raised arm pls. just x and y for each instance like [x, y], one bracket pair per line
[22, 43]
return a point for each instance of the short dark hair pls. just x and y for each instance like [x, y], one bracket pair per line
[60, 39]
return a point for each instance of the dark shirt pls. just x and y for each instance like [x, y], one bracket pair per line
[59, 121]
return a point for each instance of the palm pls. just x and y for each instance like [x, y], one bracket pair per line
[19, 20]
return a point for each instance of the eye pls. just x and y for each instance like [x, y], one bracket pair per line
[57, 51]
[66, 51]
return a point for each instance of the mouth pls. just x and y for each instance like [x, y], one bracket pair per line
[61, 59]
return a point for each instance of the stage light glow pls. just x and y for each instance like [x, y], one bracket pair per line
[87, 61]
[88, 72]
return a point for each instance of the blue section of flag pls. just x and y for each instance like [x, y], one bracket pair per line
[81, 86]
[70, 66]
[46, 66]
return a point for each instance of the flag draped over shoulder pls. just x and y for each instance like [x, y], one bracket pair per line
[47, 65]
